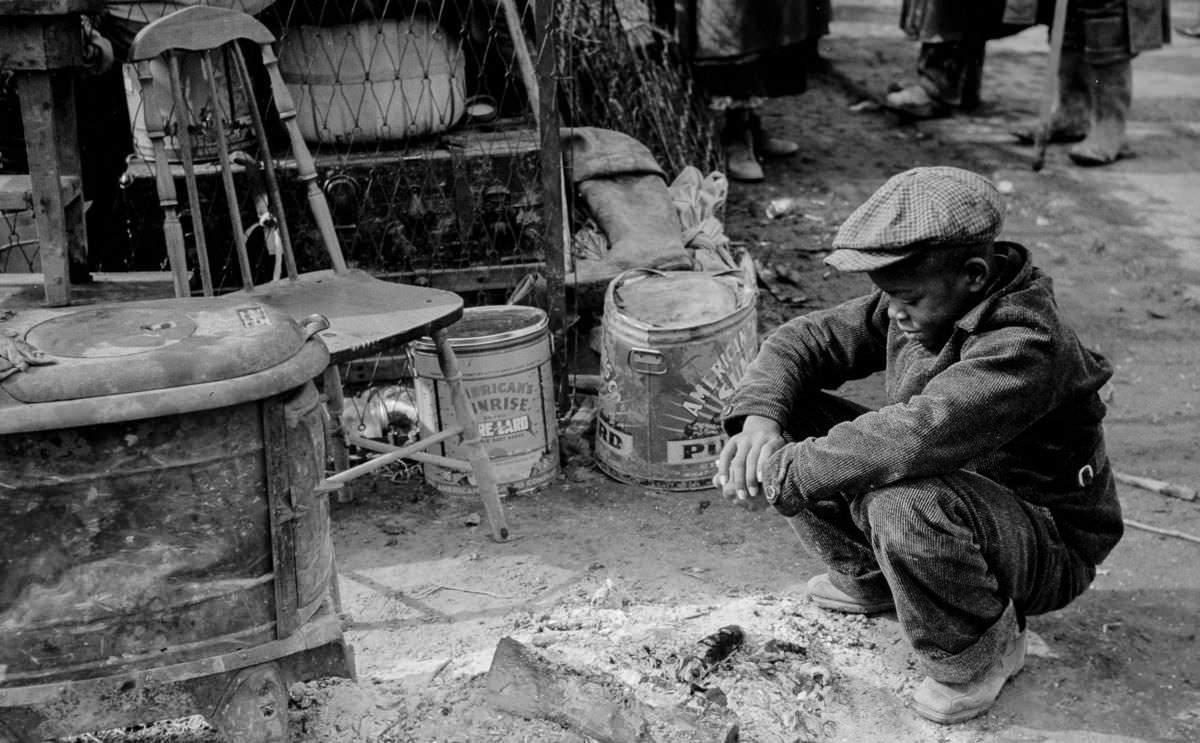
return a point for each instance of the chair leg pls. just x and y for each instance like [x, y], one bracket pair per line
[464, 413]
[334, 403]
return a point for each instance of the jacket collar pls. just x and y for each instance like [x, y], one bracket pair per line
[1019, 272]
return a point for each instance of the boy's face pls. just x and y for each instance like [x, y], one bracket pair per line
[926, 300]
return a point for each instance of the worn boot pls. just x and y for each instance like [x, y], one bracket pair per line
[914, 101]
[1070, 120]
[741, 164]
[766, 145]
[948, 703]
[1112, 93]
[824, 594]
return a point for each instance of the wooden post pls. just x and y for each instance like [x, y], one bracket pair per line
[555, 202]
[43, 94]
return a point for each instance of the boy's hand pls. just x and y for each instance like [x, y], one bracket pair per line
[742, 460]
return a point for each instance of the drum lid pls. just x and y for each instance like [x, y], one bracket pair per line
[490, 327]
[117, 349]
[678, 299]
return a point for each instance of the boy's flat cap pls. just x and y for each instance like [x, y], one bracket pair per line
[921, 208]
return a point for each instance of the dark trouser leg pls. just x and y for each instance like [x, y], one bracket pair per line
[1099, 29]
[952, 71]
[827, 529]
[953, 551]
[737, 138]
[949, 74]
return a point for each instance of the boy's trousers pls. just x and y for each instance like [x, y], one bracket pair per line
[951, 550]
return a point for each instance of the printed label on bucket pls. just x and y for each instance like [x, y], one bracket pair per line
[619, 442]
[706, 395]
[693, 451]
[506, 374]
[503, 427]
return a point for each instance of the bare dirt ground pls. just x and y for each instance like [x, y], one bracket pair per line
[622, 580]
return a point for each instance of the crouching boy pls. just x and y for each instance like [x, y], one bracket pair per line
[981, 493]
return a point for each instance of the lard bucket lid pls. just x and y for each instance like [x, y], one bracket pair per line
[490, 326]
[677, 299]
[116, 352]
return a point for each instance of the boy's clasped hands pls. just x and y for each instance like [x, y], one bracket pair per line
[742, 463]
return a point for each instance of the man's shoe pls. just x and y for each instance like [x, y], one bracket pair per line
[1112, 93]
[1072, 113]
[776, 147]
[824, 594]
[1193, 30]
[1027, 135]
[765, 145]
[740, 163]
[913, 101]
[950, 703]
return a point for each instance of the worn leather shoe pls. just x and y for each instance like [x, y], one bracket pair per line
[1072, 113]
[915, 102]
[950, 703]
[1112, 94]
[1027, 135]
[824, 594]
[740, 163]
[766, 145]
[776, 147]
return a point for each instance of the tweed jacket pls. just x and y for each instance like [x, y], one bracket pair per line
[1012, 395]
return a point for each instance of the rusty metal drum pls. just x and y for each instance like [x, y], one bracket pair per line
[504, 354]
[674, 346]
[158, 503]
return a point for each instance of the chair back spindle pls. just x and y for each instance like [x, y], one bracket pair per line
[305, 166]
[223, 156]
[274, 200]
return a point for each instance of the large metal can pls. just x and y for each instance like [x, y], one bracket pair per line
[674, 346]
[157, 504]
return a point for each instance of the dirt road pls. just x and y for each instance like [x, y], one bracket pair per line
[622, 579]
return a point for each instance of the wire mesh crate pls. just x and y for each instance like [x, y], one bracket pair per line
[427, 147]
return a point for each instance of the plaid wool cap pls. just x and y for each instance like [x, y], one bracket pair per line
[918, 209]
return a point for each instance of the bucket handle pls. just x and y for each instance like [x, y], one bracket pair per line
[647, 361]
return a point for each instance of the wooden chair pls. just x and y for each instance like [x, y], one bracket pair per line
[365, 314]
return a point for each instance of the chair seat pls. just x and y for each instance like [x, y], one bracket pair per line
[365, 314]
[16, 191]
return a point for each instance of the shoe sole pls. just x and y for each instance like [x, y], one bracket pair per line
[965, 714]
[1025, 138]
[1085, 161]
[847, 607]
[923, 113]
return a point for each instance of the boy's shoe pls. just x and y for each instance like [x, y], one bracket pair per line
[828, 596]
[951, 703]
